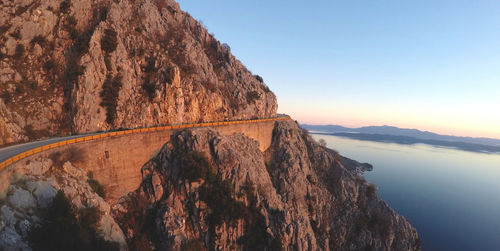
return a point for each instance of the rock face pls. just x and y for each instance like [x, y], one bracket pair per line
[31, 191]
[82, 66]
[215, 192]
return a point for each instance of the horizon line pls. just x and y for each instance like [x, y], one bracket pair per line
[482, 137]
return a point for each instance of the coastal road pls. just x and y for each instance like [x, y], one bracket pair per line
[11, 154]
[7, 152]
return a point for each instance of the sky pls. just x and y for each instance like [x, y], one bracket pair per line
[429, 65]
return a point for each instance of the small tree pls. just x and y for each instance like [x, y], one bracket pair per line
[109, 41]
[227, 47]
[19, 51]
[259, 78]
[322, 142]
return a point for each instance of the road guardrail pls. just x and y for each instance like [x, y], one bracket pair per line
[39, 149]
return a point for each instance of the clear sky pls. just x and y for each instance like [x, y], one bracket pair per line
[430, 65]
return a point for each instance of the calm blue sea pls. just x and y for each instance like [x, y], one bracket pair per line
[451, 196]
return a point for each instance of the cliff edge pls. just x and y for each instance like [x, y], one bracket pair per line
[221, 193]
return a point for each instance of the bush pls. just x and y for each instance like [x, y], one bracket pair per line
[150, 65]
[107, 62]
[61, 229]
[19, 51]
[70, 27]
[81, 45]
[20, 88]
[100, 13]
[265, 88]
[64, 6]
[109, 41]
[252, 96]
[4, 28]
[73, 71]
[33, 85]
[149, 88]
[140, 52]
[109, 94]
[75, 155]
[322, 142]
[195, 166]
[380, 223]
[192, 245]
[32, 133]
[255, 236]
[22, 9]
[95, 185]
[371, 190]
[49, 65]
[259, 78]
[38, 39]
[310, 179]
[173, 41]
[6, 97]
[216, 193]
[227, 47]
[57, 159]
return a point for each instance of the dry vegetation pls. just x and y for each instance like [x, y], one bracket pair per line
[109, 94]
[65, 228]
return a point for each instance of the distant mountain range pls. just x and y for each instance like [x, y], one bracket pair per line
[408, 136]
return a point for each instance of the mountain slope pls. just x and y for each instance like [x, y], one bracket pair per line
[83, 66]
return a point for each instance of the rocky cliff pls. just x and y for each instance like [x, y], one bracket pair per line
[219, 192]
[207, 191]
[82, 66]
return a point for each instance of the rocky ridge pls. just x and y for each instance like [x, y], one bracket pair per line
[207, 191]
[295, 196]
[82, 66]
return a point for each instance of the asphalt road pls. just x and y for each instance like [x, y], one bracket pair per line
[11, 151]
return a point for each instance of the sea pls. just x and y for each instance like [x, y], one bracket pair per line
[452, 197]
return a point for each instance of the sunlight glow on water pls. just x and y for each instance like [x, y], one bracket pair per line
[450, 196]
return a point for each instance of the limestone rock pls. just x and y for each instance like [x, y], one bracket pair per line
[170, 68]
[32, 192]
[297, 195]
[22, 199]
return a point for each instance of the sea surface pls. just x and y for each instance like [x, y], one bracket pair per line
[451, 196]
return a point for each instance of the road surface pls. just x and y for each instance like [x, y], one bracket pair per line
[10, 151]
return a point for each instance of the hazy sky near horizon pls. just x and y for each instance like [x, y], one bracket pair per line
[430, 65]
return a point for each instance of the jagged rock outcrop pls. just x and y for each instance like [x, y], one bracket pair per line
[215, 192]
[28, 193]
[207, 191]
[81, 66]
[354, 166]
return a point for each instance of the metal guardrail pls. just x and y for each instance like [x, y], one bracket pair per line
[36, 150]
